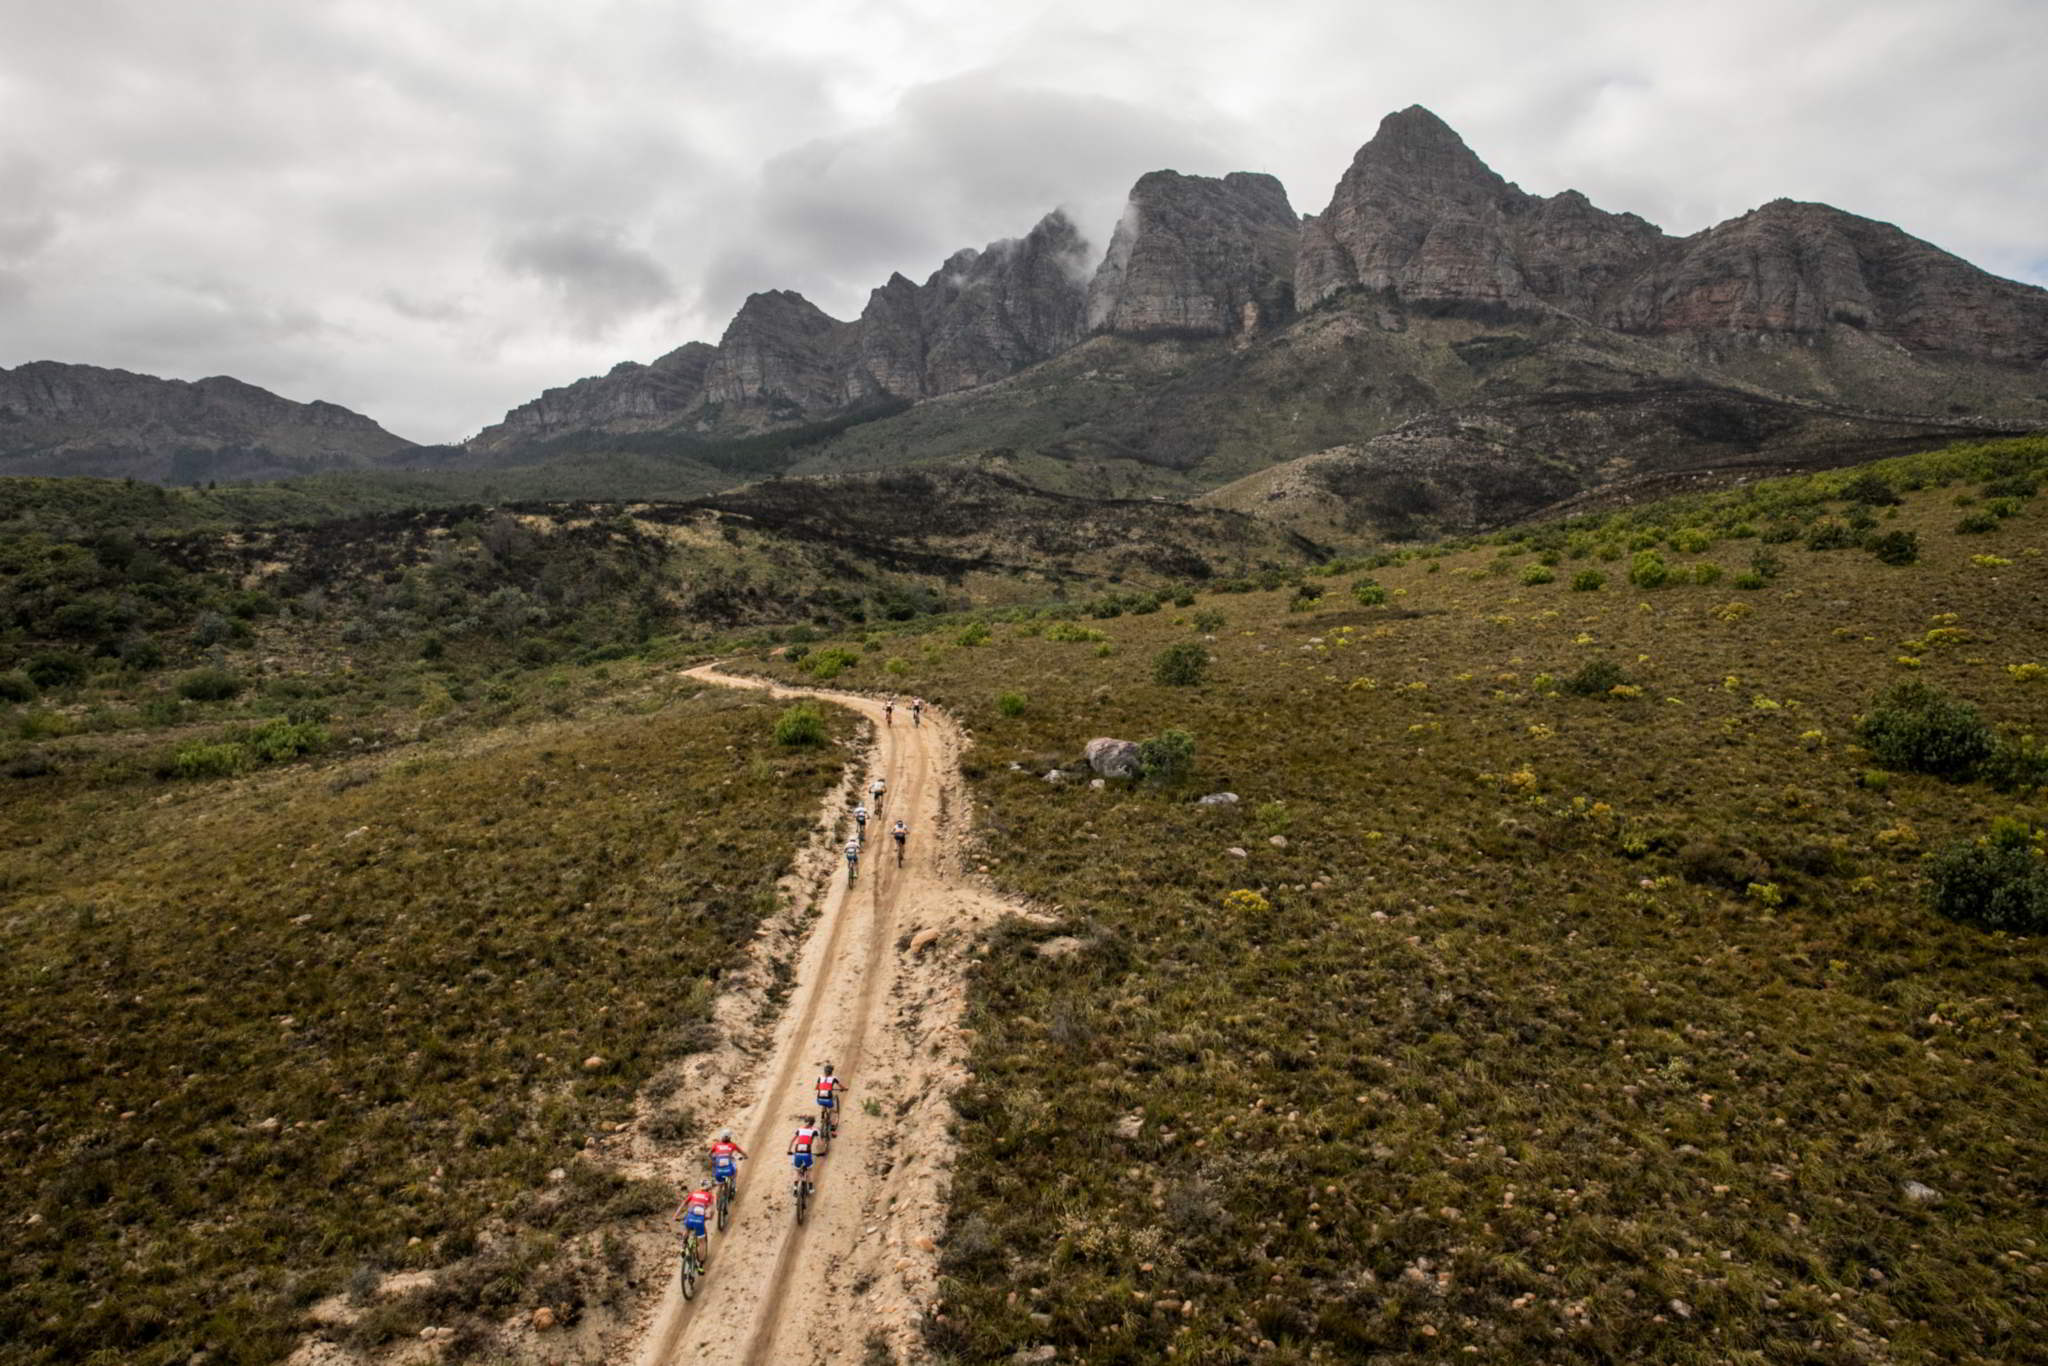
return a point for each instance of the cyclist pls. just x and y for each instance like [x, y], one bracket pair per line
[829, 1088]
[860, 818]
[800, 1152]
[917, 711]
[889, 712]
[899, 832]
[693, 1211]
[853, 858]
[875, 790]
[726, 1156]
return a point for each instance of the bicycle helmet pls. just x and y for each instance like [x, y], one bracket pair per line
[828, 1069]
[725, 1135]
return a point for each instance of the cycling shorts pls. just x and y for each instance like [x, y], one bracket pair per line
[724, 1169]
[695, 1224]
[826, 1102]
[801, 1160]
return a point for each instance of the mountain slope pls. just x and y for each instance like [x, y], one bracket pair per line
[82, 419]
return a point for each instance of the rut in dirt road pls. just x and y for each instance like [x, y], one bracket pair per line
[878, 993]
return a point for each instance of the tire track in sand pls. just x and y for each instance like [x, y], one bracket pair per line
[879, 993]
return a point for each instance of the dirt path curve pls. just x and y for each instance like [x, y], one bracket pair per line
[878, 993]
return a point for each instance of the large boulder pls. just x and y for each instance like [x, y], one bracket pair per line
[1112, 758]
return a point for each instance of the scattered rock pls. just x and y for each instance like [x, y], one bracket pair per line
[559, 1174]
[1217, 799]
[1098, 783]
[924, 1243]
[356, 833]
[1236, 852]
[1053, 775]
[270, 1125]
[1112, 758]
[1921, 1195]
[1130, 1126]
[1680, 1308]
[923, 940]
[543, 1319]
[1060, 947]
[1024, 1356]
[593, 1063]
[1278, 841]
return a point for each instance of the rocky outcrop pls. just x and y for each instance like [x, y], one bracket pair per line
[1196, 254]
[783, 352]
[632, 396]
[1797, 268]
[82, 419]
[1420, 218]
[1422, 221]
[981, 316]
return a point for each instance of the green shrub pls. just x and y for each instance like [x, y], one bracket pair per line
[209, 685]
[974, 633]
[1588, 581]
[1073, 631]
[1976, 524]
[1999, 882]
[1596, 678]
[1895, 547]
[45, 725]
[896, 667]
[2003, 508]
[1917, 728]
[54, 670]
[1208, 623]
[206, 759]
[1749, 580]
[1181, 665]
[1705, 572]
[280, 739]
[1369, 593]
[795, 653]
[1538, 574]
[1869, 487]
[1831, 535]
[1011, 704]
[827, 665]
[1648, 570]
[17, 687]
[801, 724]
[1167, 757]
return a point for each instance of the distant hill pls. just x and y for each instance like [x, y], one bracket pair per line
[82, 419]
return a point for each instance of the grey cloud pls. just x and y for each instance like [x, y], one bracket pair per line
[598, 277]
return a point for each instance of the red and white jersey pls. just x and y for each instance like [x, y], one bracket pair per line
[725, 1150]
[803, 1140]
[700, 1201]
[827, 1086]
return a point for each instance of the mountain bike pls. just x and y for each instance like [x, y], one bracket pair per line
[725, 1199]
[693, 1265]
[803, 1199]
[823, 1143]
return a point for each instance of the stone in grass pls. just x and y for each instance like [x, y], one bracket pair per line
[1217, 799]
[1053, 775]
[1029, 1356]
[1921, 1195]
[1130, 1126]
[1112, 758]
[593, 1063]
[543, 1319]
[1236, 852]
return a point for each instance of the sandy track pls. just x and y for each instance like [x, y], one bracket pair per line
[878, 993]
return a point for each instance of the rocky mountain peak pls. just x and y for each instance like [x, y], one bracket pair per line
[780, 348]
[1197, 254]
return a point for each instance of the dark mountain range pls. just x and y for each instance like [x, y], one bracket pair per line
[1221, 335]
[81, 419]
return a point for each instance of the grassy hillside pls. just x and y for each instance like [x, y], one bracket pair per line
[1565, 984]
[268, 1039]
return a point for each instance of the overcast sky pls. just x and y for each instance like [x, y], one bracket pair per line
[430, 210]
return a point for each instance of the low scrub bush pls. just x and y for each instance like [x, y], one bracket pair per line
[1208, 623]
[1976, 524]
[1894, 547]
[1999, 882]
[1538, 574]
[54, 670]
[17, 687]
[827, 665]
[1074, 632]
[1588, 581]
[1168, 757]
[1648, 570]
[1917, 728]
[1597, 678]
[1011, 704]
[974, 633]
[209, 685]
[208, 759]
[1369, 593]
[1181, 665]
[801, 724]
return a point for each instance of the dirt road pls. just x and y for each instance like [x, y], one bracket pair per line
[878, 993]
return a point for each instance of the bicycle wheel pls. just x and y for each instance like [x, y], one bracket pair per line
[803, 1198]
[724, 1204]
[690, 1270]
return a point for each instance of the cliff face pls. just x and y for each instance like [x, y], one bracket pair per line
[82, 419]
[631, 396]
[1420, 218]
[782, 351]
[1198, 254]
[1800, 268]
